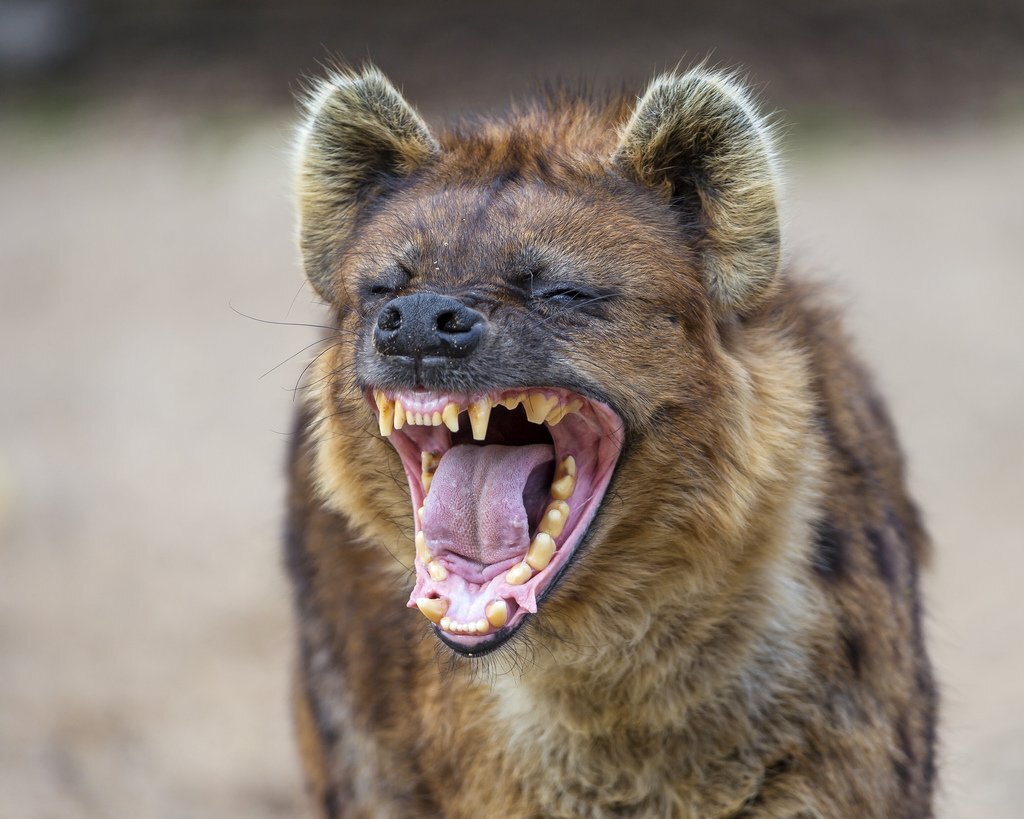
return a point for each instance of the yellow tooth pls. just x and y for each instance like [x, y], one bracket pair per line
[541, 551]
[426, 479]
[433, 608]
[479, 417]
[429, 461]
[450, 416]
[538, 406]
[566, 467]
[497, 613]
[399, 415]
[436, 418]
[555, 416]
[386, 413]
[562, 488]
[437, 571]
[518, 574]
[511, 402]
[446, 623]
[422, 552]
[554, 518]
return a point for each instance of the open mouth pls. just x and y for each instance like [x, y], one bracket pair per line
[504, 486]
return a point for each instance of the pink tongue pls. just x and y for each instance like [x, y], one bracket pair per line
[475, 507]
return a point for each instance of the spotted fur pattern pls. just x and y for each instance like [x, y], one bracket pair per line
[740, 634]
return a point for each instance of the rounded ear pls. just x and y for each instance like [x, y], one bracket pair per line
[357, 132]
[699, 138]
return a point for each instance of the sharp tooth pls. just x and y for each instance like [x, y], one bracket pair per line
[385, 411]
[554, 518]
[426, 479]
[422, 552]
[435, 419]
[446, 623]
[399, 415]
[437, 571]
[433, 608]
[567, 467]
[541, 551]
[450, 416]
[497, 613]
[562, 488]
[429, 461]
[518, 574]
[479, 417]
[511, 402]
[538, 406]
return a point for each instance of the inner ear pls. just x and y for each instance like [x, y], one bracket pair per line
[358, 135]
[700, 140]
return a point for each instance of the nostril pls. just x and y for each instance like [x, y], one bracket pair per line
[389, 319]
[457, 321]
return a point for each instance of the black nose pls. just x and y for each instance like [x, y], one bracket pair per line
[427, 324]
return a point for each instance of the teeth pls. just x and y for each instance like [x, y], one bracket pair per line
[437, 571]
[482, 626]
[385, 412]
[422, 552]
[512, 401]
[399, 415]
[538, 406]
[426, 479]
[518, 574]
[479, 416]
[554, 518]
[497, 613]
[420, 512]
[435, 419]
[567, 466]
[433, 608]
[429, 461]
[562, 488]
[542, 549]
[446, 623]
[450, 416]
[556, 415]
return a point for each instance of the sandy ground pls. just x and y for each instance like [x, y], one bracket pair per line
[144, 619]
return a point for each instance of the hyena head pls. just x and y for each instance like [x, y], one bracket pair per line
[532, 394]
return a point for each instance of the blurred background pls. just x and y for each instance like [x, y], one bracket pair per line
[153, 326]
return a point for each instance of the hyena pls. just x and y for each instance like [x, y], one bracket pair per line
[593, 511]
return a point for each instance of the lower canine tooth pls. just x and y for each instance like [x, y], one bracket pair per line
[437, 571]
[518, 574]
[541, 551]
[450, 416]
[497, 613]
[479, 417]
[433, 608]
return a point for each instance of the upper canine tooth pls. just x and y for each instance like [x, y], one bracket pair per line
[479, 417]
[518, 574]
[497, 613]
[433, 608]
[538, 406]
[450, 416]
[541, 551]
[399, 415]
[386, 413]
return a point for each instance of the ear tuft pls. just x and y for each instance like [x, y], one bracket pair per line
[357, 132]
[700, 138]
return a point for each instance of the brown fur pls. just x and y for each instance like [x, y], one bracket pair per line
[740, 636]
